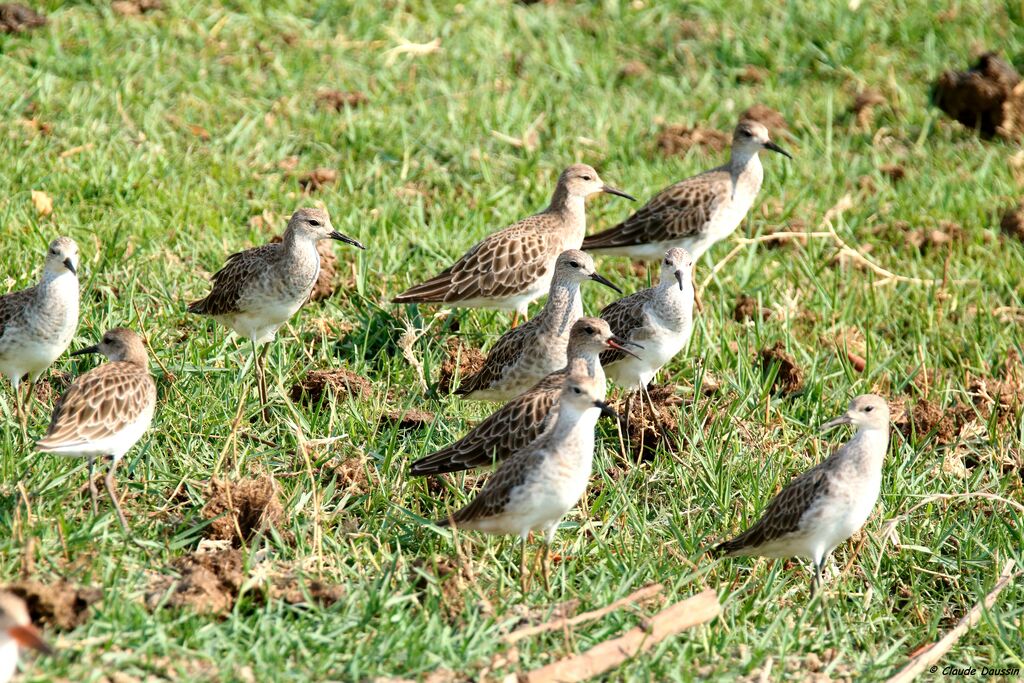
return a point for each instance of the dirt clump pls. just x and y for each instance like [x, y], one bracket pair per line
[208, 582]
[296, 589]
[1013, 222]
[929, 417]
[985, 98]
[747, 308]
[768, 117]
[451, 580]
[648, 428]
[894, 172]
[677, 139]
[15, 18]
[350, 473]
[133, 8]
[633, 69]
[317, 179]
[410, 418]
[339, 100]
[243, 508]
[50, 389]
[790, 377]
[924, 239]
[58, 604]
[311, 389]
[460, 361]
[863, 107]
[752, 74]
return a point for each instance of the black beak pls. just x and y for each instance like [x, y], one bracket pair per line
[335, 235]
[605, 281]
[70, 265]
[843, 419]
[618, 193]
[775, 148]
[679, 278]
[95, 348]
[606, 410]
[619, 345]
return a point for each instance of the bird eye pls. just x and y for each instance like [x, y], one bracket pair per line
[574, 264]
[53, 251]
[590, 330]
[576, 390]
[869, 409]
[314, 222]
[586, 177]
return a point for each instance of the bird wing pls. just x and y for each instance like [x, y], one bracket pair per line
[624, 317]
[676, 212]
[782, 516]
[501, 265]
[11, 303]
[99, 404]
[508, 429]
[504, 353]
[230, 281]
[494, 498]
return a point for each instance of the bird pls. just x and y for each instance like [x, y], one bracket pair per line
[513, 267]
[16, 632]
[827, 504]
[258, 290]
[528, 415]
[105, 411]
[37, 324]
[526, 354]
[537, 485]
[697, 212]
[659, 320]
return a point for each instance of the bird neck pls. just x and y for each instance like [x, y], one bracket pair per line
[58, 277]
[573, 420]
[868, 446]
[582, 361]
[563, 307]
[672, 303]
[744, 162]
[571, 206]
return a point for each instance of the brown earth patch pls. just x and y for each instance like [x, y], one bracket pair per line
[50, 389]
[15, 18]
[925, 239]
[317, 179]
[863, 107]
[927, 417]
[1013, 222]
[752, 74]
[677, 139]
[133, 8]
[790, 377]
[350, 473]
[768, 117]
[451, 580]
[243, 508]
[339, 100]
[985, 98]
[460, 361]
[208, 582]
[59, 604]
[410, 418]
[645, 428]
[316, 383]
[747, 308]
[633, 69]
[894, 172]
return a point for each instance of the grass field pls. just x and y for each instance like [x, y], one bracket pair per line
[169, 140]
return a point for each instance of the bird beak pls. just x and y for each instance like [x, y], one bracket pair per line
[335, 235]
[679, 278]
[28, 636]
[606, 410]
[775, 148]
[70, 265]
[618, 344]
[605, 281]
[843, 419]
[618, 193]
[95, 348]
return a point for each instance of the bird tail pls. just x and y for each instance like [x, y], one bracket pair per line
[606, 239]
[440, 462]
[434, 290]
[199, 307]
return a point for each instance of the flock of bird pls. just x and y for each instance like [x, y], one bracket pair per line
[550, 372]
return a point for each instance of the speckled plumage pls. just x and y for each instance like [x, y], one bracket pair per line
[659, 319]
[824, 506]
[526, 354]
[697, 212]
[38, 323]
[514, 266]
[517, 423]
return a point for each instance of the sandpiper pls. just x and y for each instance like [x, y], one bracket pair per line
[106, 410]
[534, 488]
[259, 289]
[659, 319]
[827, 504]
[697, 212]
[37, 324]
[527, 416]
[16, 632]
[526, 354]
[514, 266]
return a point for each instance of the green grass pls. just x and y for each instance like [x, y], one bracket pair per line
[156, 207]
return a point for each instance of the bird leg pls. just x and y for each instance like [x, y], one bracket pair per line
[93, 493]
[261, 378]
[545, 566]
[19, 410]
[816, 580]
[109, 481]
[515, 319]
[523, 583]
